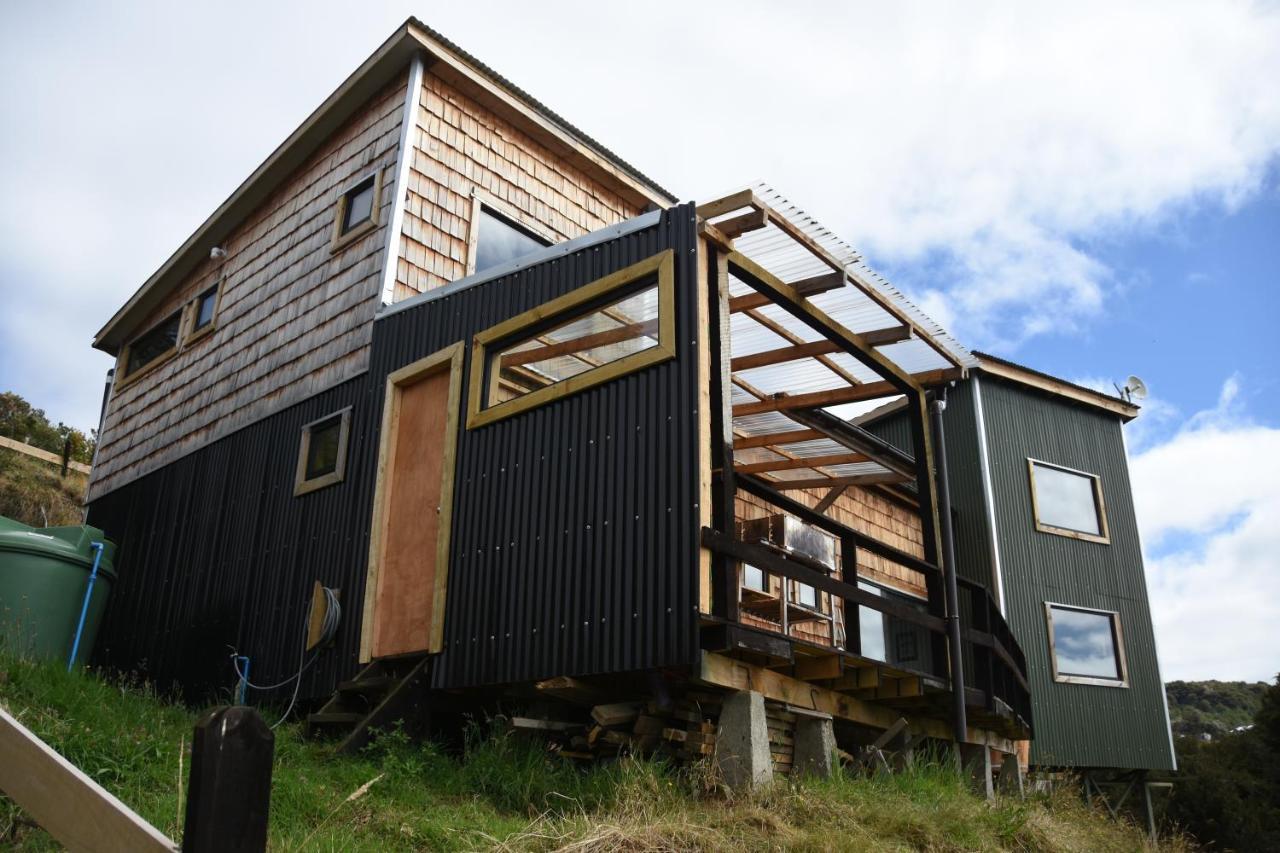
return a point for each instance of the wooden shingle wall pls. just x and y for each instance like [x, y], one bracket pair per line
[868, 512]
[462, 149]
[294, 319]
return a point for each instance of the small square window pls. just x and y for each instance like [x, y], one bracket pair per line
[1067, 502]
[322, 456]
[1085, 646]
[754, 578]
[206, 306]
[357, 212]
[806, 596]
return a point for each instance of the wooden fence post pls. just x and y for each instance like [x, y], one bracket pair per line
[230, 790]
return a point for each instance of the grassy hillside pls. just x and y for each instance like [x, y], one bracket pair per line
[31, 491]
[1212, 707]
[508, 794]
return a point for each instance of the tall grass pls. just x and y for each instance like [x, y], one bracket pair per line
[33, 492]
[508, 792]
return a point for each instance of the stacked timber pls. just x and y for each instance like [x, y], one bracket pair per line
[782, 730]
[681, 730]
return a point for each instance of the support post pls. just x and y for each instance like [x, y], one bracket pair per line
[954, 646]
[724, 572]
[742, 742]
[815, 745]
[230, 788]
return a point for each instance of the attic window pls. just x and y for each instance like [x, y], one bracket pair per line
[160, 342]
[322, 458]
[595, 334]
[1086, 646]
[499, 240]
[203, 311]
[357, 212]
[1067, 502]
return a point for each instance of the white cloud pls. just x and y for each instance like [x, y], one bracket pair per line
[1208, 503]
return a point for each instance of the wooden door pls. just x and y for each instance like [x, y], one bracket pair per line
[409, 543]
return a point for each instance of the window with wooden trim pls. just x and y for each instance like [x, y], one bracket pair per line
[1086, 646]
[890, 639]
[603, 330]
[1067, 502]
[153, 346]
[357, 211]
[500, 240]
[202, 313]
[322, 456]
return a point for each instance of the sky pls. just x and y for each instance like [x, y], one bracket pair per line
[1090, 189]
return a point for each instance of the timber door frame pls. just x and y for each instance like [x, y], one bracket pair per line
[448, 359]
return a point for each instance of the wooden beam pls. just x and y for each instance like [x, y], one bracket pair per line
[831, 497]
[837, 396]
[878, 479]
[768, 439]
[630, 331]
[66, 803]
[805, 286]
[876, 337]
[720, 671]
[801, 462]
[736, 226]
[729, 203]
[791, 337]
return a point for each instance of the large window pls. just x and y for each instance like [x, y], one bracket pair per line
[597, 333]
[890, 639]
[1086, 646]
[322, 458]
[498, 240]
[149, 348]
[1067, 502]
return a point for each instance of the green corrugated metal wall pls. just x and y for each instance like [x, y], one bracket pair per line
[1076, 725]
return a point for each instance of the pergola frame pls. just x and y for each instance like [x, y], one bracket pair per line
[723, 262]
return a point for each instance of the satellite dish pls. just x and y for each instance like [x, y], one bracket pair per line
[1135, 389]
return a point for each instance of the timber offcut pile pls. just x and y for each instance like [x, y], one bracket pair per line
[680, 729]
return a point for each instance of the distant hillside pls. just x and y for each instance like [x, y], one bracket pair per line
[1212, 707]
[32, 492]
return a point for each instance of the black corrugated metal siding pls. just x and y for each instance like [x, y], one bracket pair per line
[1077, 725]
[574, 546]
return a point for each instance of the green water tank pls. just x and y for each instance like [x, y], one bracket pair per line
[44, 572]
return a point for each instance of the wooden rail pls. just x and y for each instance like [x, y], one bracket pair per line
[42, 454]
[71, 807]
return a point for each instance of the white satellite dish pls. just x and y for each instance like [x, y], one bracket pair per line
[1135, 389]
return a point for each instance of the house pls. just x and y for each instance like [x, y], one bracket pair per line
[448, 403]
[1044, 516]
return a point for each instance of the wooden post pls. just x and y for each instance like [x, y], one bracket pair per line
[66, 455]
[230, 791]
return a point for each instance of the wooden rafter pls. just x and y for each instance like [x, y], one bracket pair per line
[790, 336]
[802, 462]
[876, 479]
[877, 337]
[807, 287]
[773, 438]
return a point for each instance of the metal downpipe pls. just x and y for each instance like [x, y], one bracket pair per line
[954, 647]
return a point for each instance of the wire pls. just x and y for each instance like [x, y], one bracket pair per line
[328, 630]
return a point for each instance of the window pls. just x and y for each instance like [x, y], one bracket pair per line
[890, 639]
[599, 332]
[153, 346]
[357, 212]
[806, 596]
[498, 240]
[203, 310]
[1067, 502]
[1085, 646]
[322, 458]
[754, 578]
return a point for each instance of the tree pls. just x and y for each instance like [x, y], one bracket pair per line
[23, 422]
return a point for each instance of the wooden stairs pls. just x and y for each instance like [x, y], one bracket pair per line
[381, 693]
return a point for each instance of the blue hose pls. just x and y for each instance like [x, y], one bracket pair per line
[84, 608]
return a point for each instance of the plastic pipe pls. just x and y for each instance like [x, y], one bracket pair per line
[84, 608]
[244, 678]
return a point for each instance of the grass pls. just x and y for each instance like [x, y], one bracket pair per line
[506, 793]
[31, 491]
